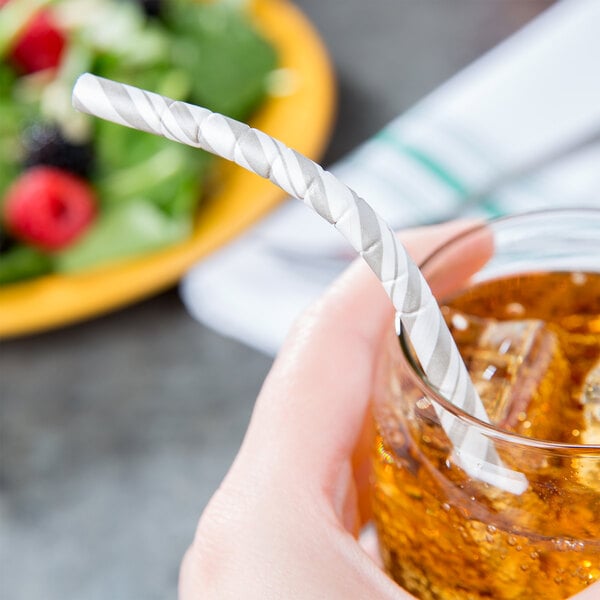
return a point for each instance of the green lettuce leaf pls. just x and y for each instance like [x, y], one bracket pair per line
[23, 262]
[227, 59]
[129, 229]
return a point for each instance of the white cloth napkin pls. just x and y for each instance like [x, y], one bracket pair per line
[474, 146]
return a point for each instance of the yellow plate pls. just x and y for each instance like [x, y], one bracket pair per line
[302, 119]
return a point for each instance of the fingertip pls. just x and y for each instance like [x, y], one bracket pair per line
[458, 257]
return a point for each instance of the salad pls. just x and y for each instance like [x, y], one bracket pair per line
[77, 192]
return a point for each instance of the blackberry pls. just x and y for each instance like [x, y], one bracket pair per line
[45, 145]
[151, 8]
[6, 241]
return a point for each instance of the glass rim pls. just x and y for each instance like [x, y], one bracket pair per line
[576, 211]
[433, 393]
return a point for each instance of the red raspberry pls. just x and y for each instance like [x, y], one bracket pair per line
[48, 207]
[40, 46]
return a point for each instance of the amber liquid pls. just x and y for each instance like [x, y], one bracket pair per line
[443, 536]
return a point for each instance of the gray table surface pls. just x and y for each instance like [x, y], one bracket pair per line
[116, 432]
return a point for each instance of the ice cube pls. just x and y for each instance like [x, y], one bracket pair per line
[520, 372]
[589, 467]
[590, 400]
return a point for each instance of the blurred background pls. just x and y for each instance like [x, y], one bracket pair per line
[115, 432]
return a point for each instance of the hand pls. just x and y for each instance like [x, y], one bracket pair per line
[284, 522]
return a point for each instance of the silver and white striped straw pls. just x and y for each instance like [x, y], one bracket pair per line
[368, 234]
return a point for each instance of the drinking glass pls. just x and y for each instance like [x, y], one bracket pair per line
[528, 327]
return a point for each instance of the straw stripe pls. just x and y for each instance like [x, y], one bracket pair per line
[315, 193]
[122, 103]
[372, 246]
[349, 226]
[255, 159]
[183, 117]
[171, 130]
[395, 280]
[439, 363]
[266, 147]
[91, 105]
[280, 173]
[389, 267]
[350, 214]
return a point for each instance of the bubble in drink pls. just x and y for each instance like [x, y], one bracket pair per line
[532, 345]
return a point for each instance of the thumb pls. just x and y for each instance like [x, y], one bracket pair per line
[310, 412]
[281, 519]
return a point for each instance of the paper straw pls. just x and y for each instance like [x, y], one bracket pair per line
[368, 234]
